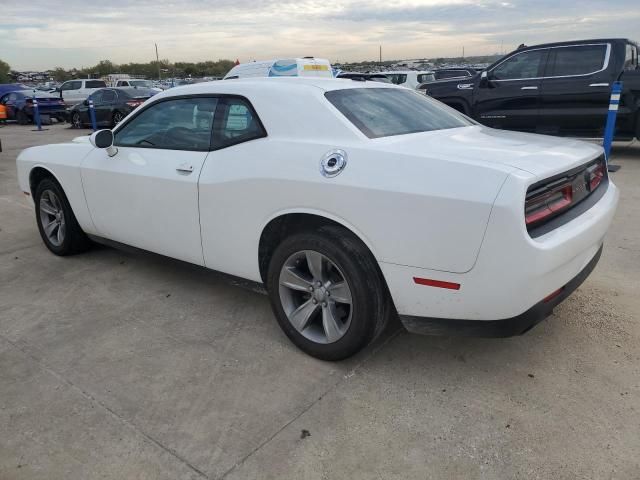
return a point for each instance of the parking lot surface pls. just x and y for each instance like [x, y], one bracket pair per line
[120, 365]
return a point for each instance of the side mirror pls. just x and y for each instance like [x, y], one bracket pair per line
[103, 139]
[484, 79]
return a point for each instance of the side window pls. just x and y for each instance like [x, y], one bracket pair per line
[72, 85]
[180, 124]
[237, 122]
[425, 77]
[631, 57]
[108, 96]
[520, 66]
[96, 97]
[95, 84]
[578, 60]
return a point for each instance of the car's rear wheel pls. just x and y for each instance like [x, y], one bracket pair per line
[76, 122]
[22, 118]
[116, 118]
[327, 293]
[57, 224]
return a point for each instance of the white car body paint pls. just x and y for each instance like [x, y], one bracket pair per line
[445, 204]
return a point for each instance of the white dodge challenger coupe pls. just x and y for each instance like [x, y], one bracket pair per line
[351, 201]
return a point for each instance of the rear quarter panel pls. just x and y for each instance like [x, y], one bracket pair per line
[409, 211]
[63, 162]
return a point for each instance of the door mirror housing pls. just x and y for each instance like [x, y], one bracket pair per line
[103, 139]
[484, 79]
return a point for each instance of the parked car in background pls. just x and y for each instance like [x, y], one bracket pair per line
[409, 78]
[12, 87]
[111, 106]
[349, 200]
[449, 73]
[20, 106]
[133, 82]
[372, 77]
[76, 91]
[289, 67]
[556, 88]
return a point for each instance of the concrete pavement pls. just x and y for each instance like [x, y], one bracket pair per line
[129, 366]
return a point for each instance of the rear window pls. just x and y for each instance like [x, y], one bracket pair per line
[383, 112]
[95, 84]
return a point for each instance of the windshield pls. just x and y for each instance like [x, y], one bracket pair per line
[383, 112]
[141, 83]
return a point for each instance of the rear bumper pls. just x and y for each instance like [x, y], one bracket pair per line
[507, 327]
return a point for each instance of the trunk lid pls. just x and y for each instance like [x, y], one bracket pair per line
[540, 155]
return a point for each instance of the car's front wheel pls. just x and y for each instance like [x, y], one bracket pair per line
[22, 118]
[57, 224]
[327, 293]
[116, 118]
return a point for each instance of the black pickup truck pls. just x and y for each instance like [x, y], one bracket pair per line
[556, 88]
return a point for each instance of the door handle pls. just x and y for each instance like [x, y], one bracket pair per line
[529, 88]
[599, 85]
[185, 168]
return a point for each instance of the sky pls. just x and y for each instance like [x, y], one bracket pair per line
[42, 34]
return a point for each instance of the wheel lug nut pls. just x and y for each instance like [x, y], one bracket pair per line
[311, 289]
[319, 284]
[324, 304]
[314, 301]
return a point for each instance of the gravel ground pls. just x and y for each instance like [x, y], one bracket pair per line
[116, 365]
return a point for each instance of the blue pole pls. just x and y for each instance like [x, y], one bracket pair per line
[92, 114]
[36, 113]
[610, 127]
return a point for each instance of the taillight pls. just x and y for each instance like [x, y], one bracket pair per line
[540, 207]
[134, 103]
[595, 174]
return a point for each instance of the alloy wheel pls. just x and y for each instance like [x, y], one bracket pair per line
[315, 296]
[52, 218]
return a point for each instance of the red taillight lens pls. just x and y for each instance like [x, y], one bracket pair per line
[134, 103]
[595, 176]
[542, 206]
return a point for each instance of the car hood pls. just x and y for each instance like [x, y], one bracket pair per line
[540, 155]
[84, 139]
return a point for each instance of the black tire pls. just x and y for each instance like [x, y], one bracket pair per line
[22, 118]
[116, 118]
[74, 239]
[371, 303]
[76, 121]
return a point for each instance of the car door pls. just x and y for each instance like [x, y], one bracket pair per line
[509, 97]
[69, 92]
[238, 145]
[146, 195]
[574, 95]
[104, 106]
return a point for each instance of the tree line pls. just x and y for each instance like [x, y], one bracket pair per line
[153, 69]
[148, 70]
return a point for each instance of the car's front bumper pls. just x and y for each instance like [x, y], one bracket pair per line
[499, 328]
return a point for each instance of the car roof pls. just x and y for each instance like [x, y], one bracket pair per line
[240, 86]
